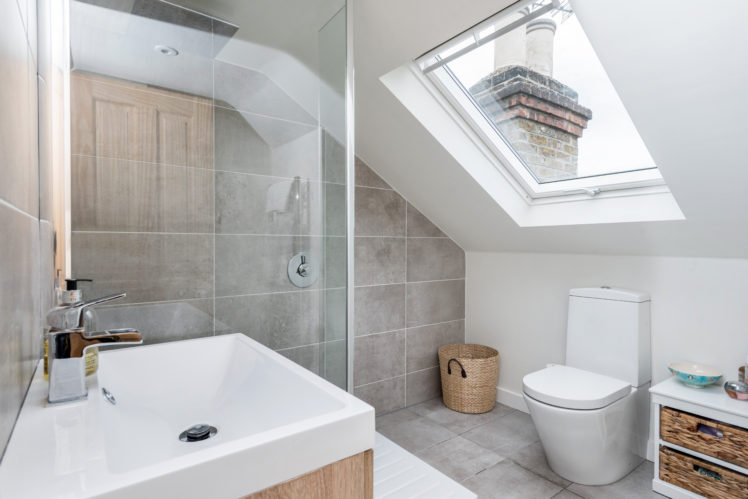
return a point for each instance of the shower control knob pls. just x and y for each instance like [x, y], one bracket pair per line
[302, 270]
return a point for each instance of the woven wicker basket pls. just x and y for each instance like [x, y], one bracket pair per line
[469, 374]
[701, 477]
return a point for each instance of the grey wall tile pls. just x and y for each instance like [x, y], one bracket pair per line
[128, 196]
[385, 396]
[257, 204]
[335, 214]
[423, 343]
[308, 356]
[365, 176]
[160, 322]
[19, 311]
[379, 212]
[335, 269]
[20, 179]
[379, 308]
[148, 267]
[335, 314]
[277, 320]
[252, 91]
[436, 301]
[378, 357]
[379, 260]
[420, 226]
[336, 362]
[255, 264]
[431, 259]
[251, 143]
[423, 385]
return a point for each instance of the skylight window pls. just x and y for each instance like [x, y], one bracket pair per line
[528, 81]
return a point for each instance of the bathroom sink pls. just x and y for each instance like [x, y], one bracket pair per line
[270, 420]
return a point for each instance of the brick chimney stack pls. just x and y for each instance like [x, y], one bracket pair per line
[538, 115]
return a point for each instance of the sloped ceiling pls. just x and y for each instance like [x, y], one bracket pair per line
[681, 69]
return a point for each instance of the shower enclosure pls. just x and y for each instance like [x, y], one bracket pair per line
[210, 168]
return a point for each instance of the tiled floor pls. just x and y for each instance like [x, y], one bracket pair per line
[496, 454]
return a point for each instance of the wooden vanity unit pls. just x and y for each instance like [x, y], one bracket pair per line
[350, 478]
[701, 442]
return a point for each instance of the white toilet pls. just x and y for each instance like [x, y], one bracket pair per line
[592, 413]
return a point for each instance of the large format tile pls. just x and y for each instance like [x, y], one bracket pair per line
[379, 356]
[277, 320]
[148, 267]
[251, 143]
[336, 363]
[334, 211]
[422, 385]
[424, 342]
[250, 264]
[532, 458]
[508, 480]
[20, 177]
[252, 91]
[385, 396]
[637, 484]
[459, 458]
[431, 259]
[420, 226]
[505, 435]
[379, 308]
[160, 322]
[379, 260]
[335, 314]
[128, 196]
[379, 212]
[257, 204]
[307, 356]
[454, 421]
[434, 302]
[411, 431]
[365, 176]
[335, 268]
[19, 312]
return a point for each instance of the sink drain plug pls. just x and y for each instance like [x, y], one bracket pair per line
[198, 432]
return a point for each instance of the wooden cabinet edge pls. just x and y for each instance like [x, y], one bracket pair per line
[349, 478]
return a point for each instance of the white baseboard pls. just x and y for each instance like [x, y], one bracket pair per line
[512, 399]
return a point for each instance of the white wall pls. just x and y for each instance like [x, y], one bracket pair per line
[517, 303]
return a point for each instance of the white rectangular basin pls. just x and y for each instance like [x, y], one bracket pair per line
[275, 420]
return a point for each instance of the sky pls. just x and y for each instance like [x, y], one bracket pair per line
[611, 142]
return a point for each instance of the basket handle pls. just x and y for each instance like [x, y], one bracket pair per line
[449, 367]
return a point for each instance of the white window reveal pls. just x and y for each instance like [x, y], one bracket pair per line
[529, 86]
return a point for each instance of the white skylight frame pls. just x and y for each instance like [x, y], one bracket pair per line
[508, 161]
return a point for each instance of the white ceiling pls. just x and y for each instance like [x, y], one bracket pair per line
[680, 68]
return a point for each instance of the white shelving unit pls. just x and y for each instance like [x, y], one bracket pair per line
[710, 402]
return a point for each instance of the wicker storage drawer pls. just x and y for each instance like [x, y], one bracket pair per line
[701, 477]
[720, 440]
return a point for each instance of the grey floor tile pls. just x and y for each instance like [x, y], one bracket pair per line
[411, 431]
[565, 494]
[532, 458]
[459, 458]
[505, 435]
[508, 481]
[635, 485]
[454, 421]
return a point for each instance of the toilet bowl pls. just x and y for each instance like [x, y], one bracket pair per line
[587, 423]
[592, 413]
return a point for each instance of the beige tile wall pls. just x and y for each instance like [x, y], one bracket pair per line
[26, 252]
[410, 297]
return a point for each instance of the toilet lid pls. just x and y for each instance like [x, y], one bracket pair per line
[573, 388]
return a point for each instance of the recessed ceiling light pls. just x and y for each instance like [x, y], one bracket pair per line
[164, 50]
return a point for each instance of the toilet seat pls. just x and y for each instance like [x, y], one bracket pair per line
[572, 388]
